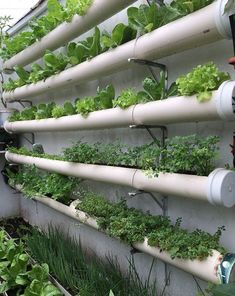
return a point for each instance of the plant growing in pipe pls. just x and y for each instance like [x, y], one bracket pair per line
[99, 43]
[202, 80]
[191, 155]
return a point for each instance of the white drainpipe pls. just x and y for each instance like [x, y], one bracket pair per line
[204, 26]
[171, 110]
[218, 188]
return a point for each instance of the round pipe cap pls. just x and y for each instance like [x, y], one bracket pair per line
[222, 19]
[225, 99]
[221, 188]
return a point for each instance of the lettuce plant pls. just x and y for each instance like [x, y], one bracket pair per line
[140, 20]
[56, 14]
[202, 80]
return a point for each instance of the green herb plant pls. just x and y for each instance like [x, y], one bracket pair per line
[35, 182]
[82, 272]
[131, 226]
[190, 155]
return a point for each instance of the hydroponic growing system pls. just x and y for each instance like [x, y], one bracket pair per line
[164, 149]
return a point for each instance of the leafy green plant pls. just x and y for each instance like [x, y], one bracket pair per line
[43, 25]
[120, 34]
[143, 19]
[201, 81]
[35, 182]
[16, 272]
[131, 225]
[85, 273]
[218, 290]
[190, 155]
[147, 18]
[103, 100]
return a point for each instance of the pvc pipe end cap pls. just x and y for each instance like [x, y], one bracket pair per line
[6, 156]
[222, 19]
[225, 99]
[7, 127]
[221, 188]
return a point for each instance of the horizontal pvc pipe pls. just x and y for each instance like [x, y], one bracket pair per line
[99, 11]
[218, 188]
[205, 269]
[201, 27]
[171, 110]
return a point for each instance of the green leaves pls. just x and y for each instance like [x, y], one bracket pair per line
[43, 25]
[187, 155]
[131, 225]
[224, 290]
[127, 98]
[103, 100]
[120, 34]
[142, 20]
[17, 274]
[36, 182]
[201, 81]
[73, 7]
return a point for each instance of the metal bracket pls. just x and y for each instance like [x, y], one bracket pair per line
[32, 142]
[134, 251]
[198, 286]
[148, 129]
[24, 101]
[161, 203]
[2, 81]
[150, 65]
[233, 149]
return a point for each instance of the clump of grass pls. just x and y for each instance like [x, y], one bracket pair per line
[83, 274]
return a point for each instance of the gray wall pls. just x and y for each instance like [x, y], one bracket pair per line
[195, 214]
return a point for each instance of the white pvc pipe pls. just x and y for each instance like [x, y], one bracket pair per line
[201, 27]
[205, 269]
[171, 110]
[218, 188]
[99, 11]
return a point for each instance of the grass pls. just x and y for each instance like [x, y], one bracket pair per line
[83, 274]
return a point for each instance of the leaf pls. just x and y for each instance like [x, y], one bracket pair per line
[111, 293]
[55, 9]
[22, 73]
[224, 290]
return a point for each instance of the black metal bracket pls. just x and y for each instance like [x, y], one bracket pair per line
[24, 101]
[162, 203]
[150, 65]
[148, 129]
[232, 25]
[134, 251]
[32, 142]
[233, 149]
[2, 81]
